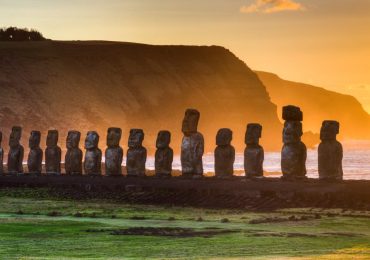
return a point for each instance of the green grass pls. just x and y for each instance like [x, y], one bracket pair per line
[27, 231]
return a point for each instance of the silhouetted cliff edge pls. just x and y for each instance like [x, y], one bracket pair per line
[319, 104]
[95, 85]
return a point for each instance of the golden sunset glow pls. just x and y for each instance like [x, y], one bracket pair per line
[185, 129]
[324, 43]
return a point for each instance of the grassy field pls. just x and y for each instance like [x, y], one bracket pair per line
[35, 226]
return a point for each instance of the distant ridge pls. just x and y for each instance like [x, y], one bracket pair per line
[319, 104]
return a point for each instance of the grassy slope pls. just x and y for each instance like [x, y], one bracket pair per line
[36, 235]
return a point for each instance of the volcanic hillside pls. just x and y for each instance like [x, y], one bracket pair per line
[319, 104]
[95, 85]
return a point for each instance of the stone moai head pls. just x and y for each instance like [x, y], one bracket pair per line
[292, 113]
[163, 139]
[190, 121]
[73, 139]
[114, 136]
[293, 117]
[136, 138]
[329, 130]
[91, 140]
[253, 134]
[34, 140]
[15, 136]
[52, 138]
[292, 132]
[224, 137]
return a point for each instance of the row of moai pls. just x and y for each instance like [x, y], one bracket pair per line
[293, 155]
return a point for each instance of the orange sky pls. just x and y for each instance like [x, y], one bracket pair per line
[322, 42]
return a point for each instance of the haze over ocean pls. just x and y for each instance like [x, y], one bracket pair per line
[356, 161]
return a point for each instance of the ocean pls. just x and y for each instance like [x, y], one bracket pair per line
[356, 161]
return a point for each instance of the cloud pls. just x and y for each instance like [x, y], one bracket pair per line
[272, 6]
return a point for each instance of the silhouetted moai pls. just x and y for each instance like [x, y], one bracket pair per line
[92, 162]
[163, 155]
[294, 152]
[136, 154]
[192, 146]
[330, 152]
[16, 151]
[1, 155]
[224, 153]
[253, 153]
[114, 153]
[53, 153]
[73, 159]
[34, 161]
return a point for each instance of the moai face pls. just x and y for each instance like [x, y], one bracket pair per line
[253, 134]
[34, 140]
[92, 140]
[15, 136]
[292, 113]
[52, 138]
[136, 138]
[73, 139]
[190, 121]
[114, 136]
[292, 132]
[329, 130]
[224, 137]
[163, 139]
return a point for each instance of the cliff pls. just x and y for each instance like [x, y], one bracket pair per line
[95, 85]
[319, 104]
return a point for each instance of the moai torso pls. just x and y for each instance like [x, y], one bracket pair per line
[330, 152]
[224, 154]
[16, 151]
[192, 149]
[34, 161]
[253, 153]
[73, 158]
[114, 153]
[1, 155]
[293, 162]
[92, 162]
[163, 155]
[53, 153]
[192, 146]
[136, 154]
[294, 152]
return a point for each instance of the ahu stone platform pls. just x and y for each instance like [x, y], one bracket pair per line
[211, 192]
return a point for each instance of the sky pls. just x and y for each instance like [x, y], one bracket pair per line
[321, 42]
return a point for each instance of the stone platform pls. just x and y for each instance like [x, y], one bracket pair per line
[236, 192]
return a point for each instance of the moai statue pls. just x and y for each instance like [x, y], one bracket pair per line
[294, 152]
[53, 153]
[16, 152]
[330, 152]
[192, 146]
[73, 159]
[1, 155]
[92, 163]
[253, 153]
[114, 153]
[163, 155]
[34, 161]
[224, 153]
[136, 154]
